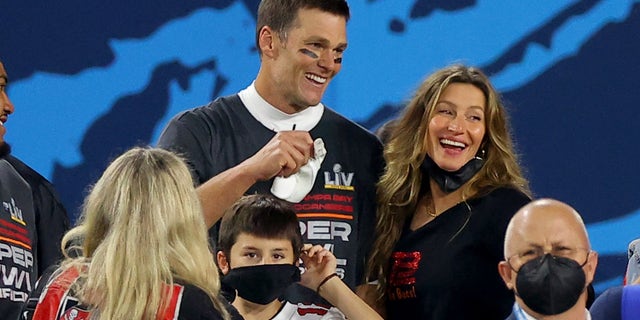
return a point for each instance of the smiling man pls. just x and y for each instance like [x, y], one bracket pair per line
[276, 136]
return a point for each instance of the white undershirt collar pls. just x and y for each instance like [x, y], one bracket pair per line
[276, 120]
[523, 315]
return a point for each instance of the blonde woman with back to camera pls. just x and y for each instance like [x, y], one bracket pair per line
[141, 249]
[451, 184]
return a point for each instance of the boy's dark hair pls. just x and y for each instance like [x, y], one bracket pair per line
[280, 14]
[262, 216]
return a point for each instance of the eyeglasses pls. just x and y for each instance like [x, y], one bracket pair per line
[580, 255]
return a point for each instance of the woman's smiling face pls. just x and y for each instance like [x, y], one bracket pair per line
[457, 127]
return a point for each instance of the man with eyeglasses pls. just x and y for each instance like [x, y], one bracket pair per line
[548, 262]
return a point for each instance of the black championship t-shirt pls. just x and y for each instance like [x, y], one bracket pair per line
[18, 241]
[338, 213]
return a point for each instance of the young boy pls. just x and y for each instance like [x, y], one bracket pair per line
[259, 246]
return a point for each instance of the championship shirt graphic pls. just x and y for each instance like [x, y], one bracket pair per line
[326, 219]
[16, 258]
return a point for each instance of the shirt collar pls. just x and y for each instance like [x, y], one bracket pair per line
[276, 120]
[523, 315]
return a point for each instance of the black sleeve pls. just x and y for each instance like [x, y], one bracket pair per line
[52, 223]
[367, 218]
[187, 136]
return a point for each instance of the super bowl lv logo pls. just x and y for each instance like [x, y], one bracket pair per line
[13, 210]
[338, 179]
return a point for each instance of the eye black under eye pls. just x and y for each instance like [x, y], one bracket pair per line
[309, 53]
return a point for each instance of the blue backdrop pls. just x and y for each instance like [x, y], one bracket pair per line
[90, 79]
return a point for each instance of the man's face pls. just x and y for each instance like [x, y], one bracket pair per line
[301, 68]
[249, 250]
[6, 107]
[557, 234]
[551, 230]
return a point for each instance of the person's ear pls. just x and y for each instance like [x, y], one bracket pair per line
[267, 39]
[590, 266]
[505, 273]
[223, 263]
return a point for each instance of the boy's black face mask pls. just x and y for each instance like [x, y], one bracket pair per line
[262, 283]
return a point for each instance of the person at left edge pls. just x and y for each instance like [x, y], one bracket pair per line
[32, 221]
[237, 144]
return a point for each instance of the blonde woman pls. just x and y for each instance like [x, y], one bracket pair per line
[451, 184]
[141, 248]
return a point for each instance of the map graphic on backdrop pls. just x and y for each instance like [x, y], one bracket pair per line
[91, 79]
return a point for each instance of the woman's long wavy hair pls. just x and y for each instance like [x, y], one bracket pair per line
[141, 229]
[398, 190]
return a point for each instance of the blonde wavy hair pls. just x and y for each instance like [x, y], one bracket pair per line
[398, 190]
[141, 228]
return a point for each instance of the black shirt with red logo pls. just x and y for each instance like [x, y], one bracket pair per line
[448, 268]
